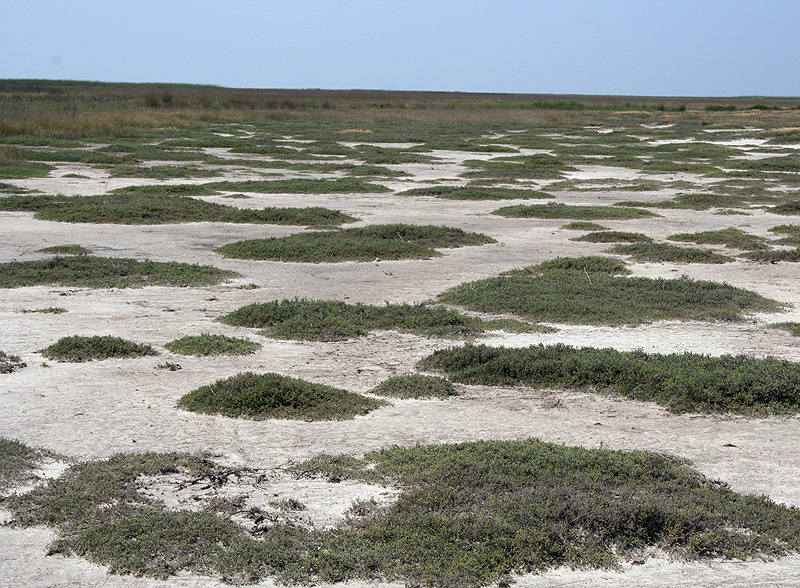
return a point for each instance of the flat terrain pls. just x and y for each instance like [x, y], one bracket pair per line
[93, 410]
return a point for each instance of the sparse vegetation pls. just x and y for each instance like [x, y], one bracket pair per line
[574, 298]
[613, 237]
[592, 263]
[81, 349]
[383, 242]
[150, 209]
[66, 250]
[567, 211]
[46, 310]
[584, 226]
[107, 272]
[665, 252]
[207, 344]
[273, 396]
[793, 328]
[735, 238]
[775, 256]
[415, 386]
[686, 382]
[476, 193]
[18, 463]
[470, 514]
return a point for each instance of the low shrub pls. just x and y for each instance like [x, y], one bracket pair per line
[731, 237]
[273, 396]
[793, 328]
[584, 226]
[567, 211]
[613, 237]
[686, 382]
[415, 386]
[66, 250]
[10, 363]
[80, 349]
[575, 298]
[664, 252]
[208, 344]
[475, 193]
[591, 263]
[108, 272]
[776, 256]
[383, 242]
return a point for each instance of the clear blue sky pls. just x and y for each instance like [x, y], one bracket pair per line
[638, 47]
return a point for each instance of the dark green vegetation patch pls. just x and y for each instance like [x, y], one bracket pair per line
[778, 255]
[150, 209]
[475, 193]
[613, 237]
[272, 396]
[208, 344]
[10, 363]
[79, 349]
[588, 265]
[326, 320]
[66, 250]
[686, 382]
[575, 298]
[665, 252]
[415, 386]
[470, 514]
[383, 242]
[108, 272]
[567, 211]
[735, 238]
[17, 462]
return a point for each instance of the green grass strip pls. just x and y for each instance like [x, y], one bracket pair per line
[567, 211]
[687, 382]
[80, 349]
[108, 272]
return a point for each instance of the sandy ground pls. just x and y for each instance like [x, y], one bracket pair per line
[88, 411]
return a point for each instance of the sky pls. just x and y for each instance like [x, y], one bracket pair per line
[616, 47]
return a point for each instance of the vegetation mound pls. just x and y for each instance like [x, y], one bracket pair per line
[325, 320]
[272, 396]
[567, 211]
[108, 272]
[415, 386]
[475, 193]
[66, 250]
[383, 242]
[470, 515]
[575, 298]
[589, 264]
[80, 349]
[613, 237]
[664, 252]
[207, 344]
[686, 382]
[736, 238]
[135, 208]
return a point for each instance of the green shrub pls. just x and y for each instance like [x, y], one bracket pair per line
[415, 386]
[107, 272]
[686, 382]
[66, 250]
[787, 208]
[383, 242]
[584, 226]
[318, 320]
[566, 211]
[664, 252]
[613, 237]
[591, 263]
[475, 193]
[793, 328]
[791, 255]
[17, 462]
[470, 515]
[150, 209]
[731, 237]
[80, 349]
[272, 396]
[574, 298]
[207, 344]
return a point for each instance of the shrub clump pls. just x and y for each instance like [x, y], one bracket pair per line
[567, 211]
[80, 349]
[10, 363]
[324, 320]
[475, 193]
[207, 344]
[415, 386]
[664, 252]
[686, 382]
[273, 396]
[108, 272]
[384, 242]
[590, 263]
[613, 237]
[731, 237]
[66, 250]
[575, 298]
